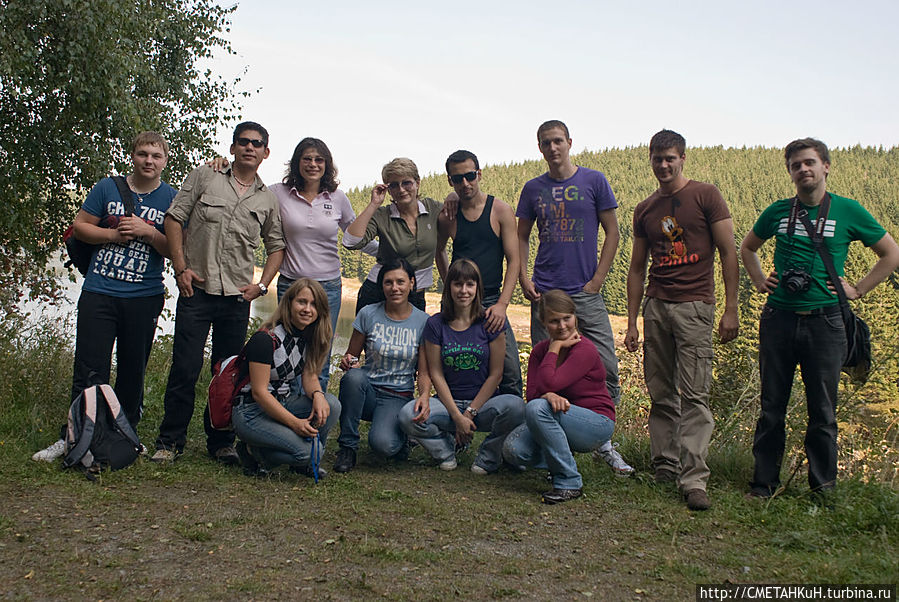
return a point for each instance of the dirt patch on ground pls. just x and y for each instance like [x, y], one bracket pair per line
[394, 531]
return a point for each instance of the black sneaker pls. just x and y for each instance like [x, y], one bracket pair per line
[226, 455]
[249, 464]
[307, 471]
[557, 496]
[346, 459]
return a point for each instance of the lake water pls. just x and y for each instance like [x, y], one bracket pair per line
[65, 311]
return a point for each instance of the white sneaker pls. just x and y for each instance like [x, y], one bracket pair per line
[448, 464]
[608, 453]
[478, 469]
[51, 453]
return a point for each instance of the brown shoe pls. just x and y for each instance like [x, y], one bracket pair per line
[557, 496]
[697, 499]
[663, 476]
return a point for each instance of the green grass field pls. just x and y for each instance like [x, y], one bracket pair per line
[198, 531]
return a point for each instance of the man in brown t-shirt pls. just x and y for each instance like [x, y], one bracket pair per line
[679, 227]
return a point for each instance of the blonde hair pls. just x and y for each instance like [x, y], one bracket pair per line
[401, 167]
[145, 138]
[557, 302]
[318, 339]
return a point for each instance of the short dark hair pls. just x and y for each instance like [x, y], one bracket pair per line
[553, 123]
[250, 125]
[462, 269]
[461, 156]
[397, 263]
[292, 177]
[667, 139]
[803, 143]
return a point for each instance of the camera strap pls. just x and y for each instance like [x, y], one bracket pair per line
[820, 222]
[815, 234]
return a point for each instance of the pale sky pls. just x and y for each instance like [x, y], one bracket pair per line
[377, 80]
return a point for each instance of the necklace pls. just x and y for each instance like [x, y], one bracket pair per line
[140, 195]
[241, 183]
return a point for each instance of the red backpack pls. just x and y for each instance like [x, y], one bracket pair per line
[226, 383]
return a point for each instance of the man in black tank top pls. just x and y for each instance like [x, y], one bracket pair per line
[484, 231]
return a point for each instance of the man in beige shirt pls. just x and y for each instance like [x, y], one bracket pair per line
[216, 221]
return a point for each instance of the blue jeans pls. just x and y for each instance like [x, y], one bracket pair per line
[511, 381]
[816, 342]
[547, 440]
[361, 401]
[499, 416]
[593, 321]
[274, 443]
[333, 289]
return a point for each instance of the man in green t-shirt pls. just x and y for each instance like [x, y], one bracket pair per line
[801, 322]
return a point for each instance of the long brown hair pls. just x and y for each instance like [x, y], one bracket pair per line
[462, 269]
[318, 334]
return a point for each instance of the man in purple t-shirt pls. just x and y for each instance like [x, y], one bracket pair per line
[569, 204]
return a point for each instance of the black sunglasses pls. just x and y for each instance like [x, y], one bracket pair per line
[247, 141]
[458, 177]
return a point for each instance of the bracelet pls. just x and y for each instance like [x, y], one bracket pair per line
[177, 274]
[316, 391]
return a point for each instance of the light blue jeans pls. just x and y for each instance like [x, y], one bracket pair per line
[547, 440]
[499, 417]
[361, 401]
[275, 444]
[333, 289]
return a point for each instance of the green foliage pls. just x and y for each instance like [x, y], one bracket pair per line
[750, 179]
[78, 80]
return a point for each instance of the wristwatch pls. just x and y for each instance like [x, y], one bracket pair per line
[472, 411]
[263, 290]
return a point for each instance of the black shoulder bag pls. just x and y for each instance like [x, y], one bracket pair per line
[858, 354]
[80, 252]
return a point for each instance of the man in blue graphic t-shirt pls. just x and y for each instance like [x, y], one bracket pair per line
[569, 204]
[123, 292]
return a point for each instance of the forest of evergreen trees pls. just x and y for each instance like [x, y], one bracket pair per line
[750, 179]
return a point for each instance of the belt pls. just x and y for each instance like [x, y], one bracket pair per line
[406, 394]
[818, 311]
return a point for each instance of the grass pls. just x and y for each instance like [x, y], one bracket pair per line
[198, 531]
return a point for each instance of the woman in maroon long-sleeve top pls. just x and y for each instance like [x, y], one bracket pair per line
[569, 408]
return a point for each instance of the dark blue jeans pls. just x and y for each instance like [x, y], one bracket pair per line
[228, 317]
[817, 343]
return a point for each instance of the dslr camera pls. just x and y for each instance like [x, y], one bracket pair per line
[796, 281]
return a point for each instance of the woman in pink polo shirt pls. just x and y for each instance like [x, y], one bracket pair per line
[312, 210]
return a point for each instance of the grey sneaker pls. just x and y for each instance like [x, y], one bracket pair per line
[609, 453]
[51, 453]
[164, 455]
[448, 464]
[478, 469]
